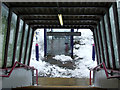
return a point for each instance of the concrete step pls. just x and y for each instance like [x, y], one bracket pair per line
[60, 88]
[48, 81]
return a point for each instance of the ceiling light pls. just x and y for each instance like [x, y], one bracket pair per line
[60, 19]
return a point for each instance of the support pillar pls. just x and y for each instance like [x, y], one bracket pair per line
[72, 30]
[45, 42]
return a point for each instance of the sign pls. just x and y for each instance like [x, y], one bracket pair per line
[63, 33]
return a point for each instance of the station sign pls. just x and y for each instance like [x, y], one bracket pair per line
[63, 33]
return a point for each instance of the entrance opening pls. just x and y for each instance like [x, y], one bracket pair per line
[60, 64]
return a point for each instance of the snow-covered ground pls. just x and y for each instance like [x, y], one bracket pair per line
[62, 58]
[82, 53]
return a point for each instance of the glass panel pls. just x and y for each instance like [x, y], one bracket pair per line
[24, 43]
[99, 44]
[112, 21]
[3, 31]
[118, 8]
[11, 40]
[97, 47]
[19, 40]
[108, 41]
[103, 41]
[28, 48]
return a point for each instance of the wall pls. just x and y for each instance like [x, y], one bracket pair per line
[18, 78]
[100, 80]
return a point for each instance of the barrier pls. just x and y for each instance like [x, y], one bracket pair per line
[106, 72]
[27, 67]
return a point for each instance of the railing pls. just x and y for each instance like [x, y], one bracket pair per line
[106, 73]
[27, 67]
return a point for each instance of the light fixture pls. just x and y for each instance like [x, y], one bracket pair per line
[60, 19]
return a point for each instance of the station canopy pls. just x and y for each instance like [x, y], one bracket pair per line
[74, 14]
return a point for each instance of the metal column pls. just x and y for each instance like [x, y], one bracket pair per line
[72, 30]
[45, 42]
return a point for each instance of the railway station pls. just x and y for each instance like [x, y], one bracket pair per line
[20, 20]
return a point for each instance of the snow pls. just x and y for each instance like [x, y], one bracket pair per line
[63, 58]
[83, 58]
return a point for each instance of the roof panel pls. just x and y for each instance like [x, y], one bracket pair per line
[75, 14]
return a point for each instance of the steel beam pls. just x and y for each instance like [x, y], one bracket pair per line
[101, 43]
[65, 14]
[56, 20]
[45, 42]
[66, 19]
[97, 38]
[65, 26]
[61, 7]
[63, 33]
[71, 39]
[96, 47]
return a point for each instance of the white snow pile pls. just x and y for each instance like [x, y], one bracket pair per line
[82, 66]
[76, 46]
[63, 58]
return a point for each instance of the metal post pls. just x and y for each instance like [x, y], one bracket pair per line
[45, 42]
[72, 30]
[101, 43]
[96, 33]
[93, 52]
[96, 47]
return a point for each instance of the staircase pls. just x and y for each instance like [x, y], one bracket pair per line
[60, 88]
[62, 84]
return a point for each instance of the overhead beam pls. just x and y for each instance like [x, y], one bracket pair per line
[61, 7]
[63, 33]
[92, 15]
[65, 20]
[64, 24]
[65, 14]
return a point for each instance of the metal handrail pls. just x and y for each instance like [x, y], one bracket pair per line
[106, 73]
[20, 67]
